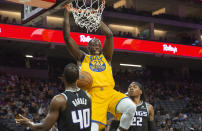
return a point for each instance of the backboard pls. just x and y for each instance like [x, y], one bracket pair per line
[31, 15]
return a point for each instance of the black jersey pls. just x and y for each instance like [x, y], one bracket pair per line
[77, 115]
[141, 118]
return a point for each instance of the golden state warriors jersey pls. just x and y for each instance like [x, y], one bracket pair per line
[99, 69]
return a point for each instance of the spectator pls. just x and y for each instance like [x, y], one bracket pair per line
[17, 91]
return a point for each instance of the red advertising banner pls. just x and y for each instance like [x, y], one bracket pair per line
[55, 36]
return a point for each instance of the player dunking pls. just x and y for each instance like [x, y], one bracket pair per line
[98, 64]
[143, 119]
[70, 109]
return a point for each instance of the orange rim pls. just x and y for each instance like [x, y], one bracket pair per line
[80, 10]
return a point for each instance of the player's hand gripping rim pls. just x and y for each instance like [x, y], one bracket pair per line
[68, 7]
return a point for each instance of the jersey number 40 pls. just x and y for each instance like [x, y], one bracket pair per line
[82, 117]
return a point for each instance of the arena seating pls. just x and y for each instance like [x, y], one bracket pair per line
[173, 106]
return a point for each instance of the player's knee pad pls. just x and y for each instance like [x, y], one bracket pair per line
[128, 111]
[127, 106]
[131, 109]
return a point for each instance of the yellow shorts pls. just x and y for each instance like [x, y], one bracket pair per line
[104, 100]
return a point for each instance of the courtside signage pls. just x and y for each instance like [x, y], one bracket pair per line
[56, 36]
[167, 47]
[84, 38]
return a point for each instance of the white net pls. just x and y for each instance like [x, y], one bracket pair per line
[88, 13]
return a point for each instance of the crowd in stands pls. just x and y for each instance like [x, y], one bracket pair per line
[30, 96]
[26, 96]
[8, 20]
[167, 88]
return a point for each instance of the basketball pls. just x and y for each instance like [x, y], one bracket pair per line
[85, 80]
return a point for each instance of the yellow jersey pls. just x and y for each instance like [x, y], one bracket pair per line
[99, 69]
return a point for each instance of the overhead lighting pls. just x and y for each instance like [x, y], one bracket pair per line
[10, 13]
[29, 56]
[159, 32]
[139, 66]
[119, 3]
[159, 11]
[54, 18]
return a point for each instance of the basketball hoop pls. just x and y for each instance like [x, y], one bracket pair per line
[88, 16]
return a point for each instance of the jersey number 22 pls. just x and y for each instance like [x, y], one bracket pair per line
[137, 121]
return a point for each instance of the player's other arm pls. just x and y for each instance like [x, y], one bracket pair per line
[151, 124]
[108, 44]
[71, 45]
[57, 103]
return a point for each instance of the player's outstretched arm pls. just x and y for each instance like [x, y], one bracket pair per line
[71, 45]
[55, 106]
[151, 124]
[108, 44]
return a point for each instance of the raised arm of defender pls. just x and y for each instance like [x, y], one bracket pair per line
[71, 45]
[108, 44]
[58, 103]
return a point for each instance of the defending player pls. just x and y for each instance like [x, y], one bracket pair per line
[70, 109]
[98, 64]
[143, 119]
